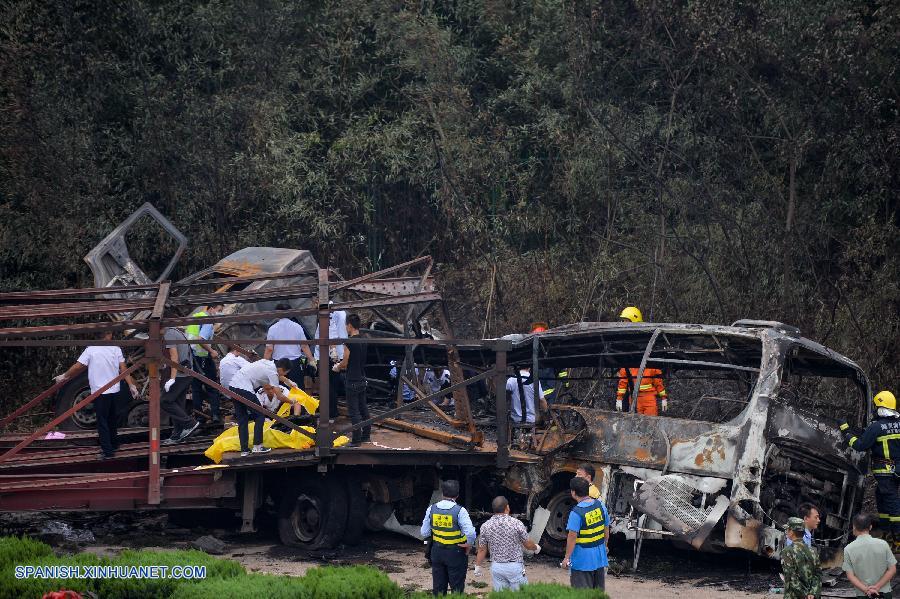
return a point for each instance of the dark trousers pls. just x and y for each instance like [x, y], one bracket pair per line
[888, 501]
[448, 567]
[588, 579]
[359, 409]
[242, 413]
[108, 419]
[206, 366]
[297, 373]
[335, 388]
[172, 404]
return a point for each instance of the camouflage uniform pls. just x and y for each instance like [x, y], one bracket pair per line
[801, 572]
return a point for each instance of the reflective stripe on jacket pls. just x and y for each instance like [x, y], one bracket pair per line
[593, 525]
[882, 438]
[445, 525]
[192, 331]
[651, 383]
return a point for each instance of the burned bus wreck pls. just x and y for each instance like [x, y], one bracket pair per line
[751, 432]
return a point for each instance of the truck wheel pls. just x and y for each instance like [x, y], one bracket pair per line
[313, 512]
[357, 512]
[553, 542]
[75, 391]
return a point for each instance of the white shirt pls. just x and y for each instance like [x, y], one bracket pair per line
[270, 404]
[286, 329]
[102, 362]
[515, 403]
[337, 329]
[254, 375]
[228, 367]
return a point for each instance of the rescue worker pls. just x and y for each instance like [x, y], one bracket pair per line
[800, 565]
[586, 541]
[587, 472]
[285, 329]
[262, 374]
[204, 356]
[103, 364]
[451, 529]
[518, 388]
[652, 386]
[176, 387]
[354, 365]
[882, 437]
[337, 329]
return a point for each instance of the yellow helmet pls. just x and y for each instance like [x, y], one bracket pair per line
[885, 399]
[631, 313]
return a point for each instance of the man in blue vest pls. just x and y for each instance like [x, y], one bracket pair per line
[452, 532]
[586, 544]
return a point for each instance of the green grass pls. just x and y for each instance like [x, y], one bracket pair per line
[225, 579]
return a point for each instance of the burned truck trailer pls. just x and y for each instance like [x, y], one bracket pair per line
[752, 431]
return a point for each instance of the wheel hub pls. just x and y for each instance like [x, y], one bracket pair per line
[307, 518]
[86, 417]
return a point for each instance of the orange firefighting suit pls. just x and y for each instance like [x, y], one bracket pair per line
[651, 387]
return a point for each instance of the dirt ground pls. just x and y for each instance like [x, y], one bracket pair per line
[406, 566]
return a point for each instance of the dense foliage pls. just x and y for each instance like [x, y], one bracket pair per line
[225, 579]
[706, 160]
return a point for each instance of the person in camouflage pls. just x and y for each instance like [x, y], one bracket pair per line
[800, 565]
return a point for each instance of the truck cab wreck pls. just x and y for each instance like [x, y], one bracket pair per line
[751, 431]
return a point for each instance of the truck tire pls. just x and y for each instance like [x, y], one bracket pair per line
[357, 512]
[553, 541]
[84, 419]
[313, 510]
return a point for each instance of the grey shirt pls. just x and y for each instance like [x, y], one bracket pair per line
[184, 350]
[869, 558]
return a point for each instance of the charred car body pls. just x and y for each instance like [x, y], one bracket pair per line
[751, 432]
[113, 266]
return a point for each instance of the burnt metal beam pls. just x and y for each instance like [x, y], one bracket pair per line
[502, 408]
[419, 402]
[640, 373]
[324, 439]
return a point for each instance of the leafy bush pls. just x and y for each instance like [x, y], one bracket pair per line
[548, 591]
[21, 551]
[13, 588]
[128, 588]
[353, 582]
[245, 587]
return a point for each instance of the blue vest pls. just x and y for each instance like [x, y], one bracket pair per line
[593, 525]
[445, 525]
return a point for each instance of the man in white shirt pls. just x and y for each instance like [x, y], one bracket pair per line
[526, 385]
[104, 363]
[337, 329]
[261, 374]
[286, 329]
[229, 365]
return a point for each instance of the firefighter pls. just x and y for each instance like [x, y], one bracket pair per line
[882, 438]
[652, 386]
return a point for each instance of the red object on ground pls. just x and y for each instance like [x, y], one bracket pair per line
[62, 595]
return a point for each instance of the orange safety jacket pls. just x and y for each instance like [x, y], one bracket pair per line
[651, 387]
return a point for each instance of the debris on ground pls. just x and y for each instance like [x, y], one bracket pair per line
[209, 544]
[59, 532]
